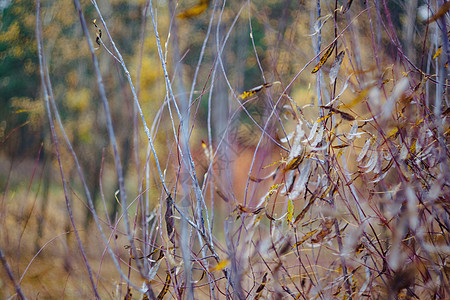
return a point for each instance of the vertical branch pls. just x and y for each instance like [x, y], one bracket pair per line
[46, 88]
[111, 134]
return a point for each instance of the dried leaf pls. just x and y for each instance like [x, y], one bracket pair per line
[318, 138]
[344, 115]
[312, 133]
[222, 195]
[221, 265]
[290, 211]
[324, 58]
[389, 165]
[319, 24]
[336, 66]
[347, 6]
[323, 119]
[364, 150]
[362, 95]
[295, 162]
[304, 211]
[261, 287]
[153, 270]
[254, 179]
[99, 32]
[170, 222]
[257, 211]
[254, 90]
[340, 146]
[438, 52]
[326, 230]
[165, 289]
[307, 236]
[393, 133]
[302, 180]
[194, 11]
[440, 13]
[372, 162]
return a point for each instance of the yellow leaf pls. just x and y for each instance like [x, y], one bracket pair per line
[272, 189]
[413, 147]
[324, 58]
[254, 90]
[165, 289]
[392, 132]
[290, 211]
[324, 118]
[307, 236]
[295, 162]
[358, 99]
[194, 11]
[438, 52]
[221, 265]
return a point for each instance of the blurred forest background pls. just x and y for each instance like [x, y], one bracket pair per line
[217, 164]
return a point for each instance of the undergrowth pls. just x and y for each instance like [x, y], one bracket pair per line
[324, 175]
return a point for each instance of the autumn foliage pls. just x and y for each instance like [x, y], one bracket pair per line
[225, 149]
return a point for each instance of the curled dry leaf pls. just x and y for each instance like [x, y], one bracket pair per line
[336, 66]
[165, 289]
[170, 222]
[319, 24]
[295, 162]
[364, 150]
[324, 58]
[261, 287]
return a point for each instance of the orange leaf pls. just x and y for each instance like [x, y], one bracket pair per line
[194, 11]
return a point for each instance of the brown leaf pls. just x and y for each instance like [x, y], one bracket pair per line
[440, 13]
[170, 222]
[165, 289]
[326, 230]
[307, 236]
[344, 115]
[305, 210]
[261, 287]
